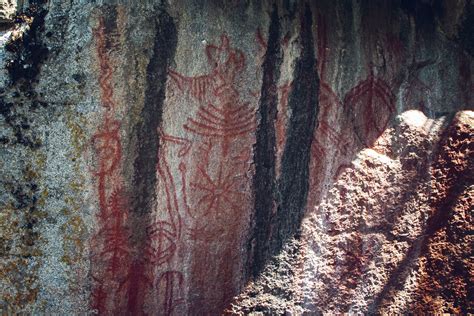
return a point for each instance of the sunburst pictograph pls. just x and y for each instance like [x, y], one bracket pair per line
[219, 194]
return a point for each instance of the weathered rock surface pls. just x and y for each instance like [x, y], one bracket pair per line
[391, 235]
[208, 157]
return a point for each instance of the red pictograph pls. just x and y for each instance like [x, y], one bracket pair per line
[212, 166]
[108, 152]
[99, 296]
[165, 230]
[217, 192]
[171, 199]
[112, 233]
[183, 172]
[161, 243]
[330, 108]
[212, 121]
[110, 246]
[184, 143]
[170, 288]
[219, 122]
[205, 149]
[371, 104]
[226, 63]
[242, 159]
[132, 288]
[222, 114]
[329, 143]
[196, 86]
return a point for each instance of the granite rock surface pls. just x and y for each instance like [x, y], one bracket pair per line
[190, 157]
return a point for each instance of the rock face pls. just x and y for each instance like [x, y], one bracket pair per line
[390, 236]
[237, 157]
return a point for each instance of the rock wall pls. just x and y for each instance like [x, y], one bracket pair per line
[234, 157]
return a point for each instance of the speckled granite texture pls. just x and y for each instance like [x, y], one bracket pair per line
[189, 157]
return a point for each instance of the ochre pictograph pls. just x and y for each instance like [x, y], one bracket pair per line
[217, 192]
[219, 127]
[371, 104]
[164, 232]
[214, 155]
[111, 250]
[330, 106]
[346, 125]
[215, 122]
[170, 288]
[226, 64]
[329, 113]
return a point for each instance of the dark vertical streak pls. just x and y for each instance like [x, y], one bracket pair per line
[303, 104]
[264, 179]
[286, 196]
[144, 179]
[147, 148]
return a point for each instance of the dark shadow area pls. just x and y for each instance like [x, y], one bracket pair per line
[280, 201]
